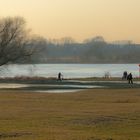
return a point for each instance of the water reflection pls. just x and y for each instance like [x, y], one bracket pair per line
[45, 88]
[59, 91]
[12, 86]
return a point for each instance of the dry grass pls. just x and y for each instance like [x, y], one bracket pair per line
[97, 114]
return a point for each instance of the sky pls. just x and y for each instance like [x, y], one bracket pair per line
[79, 19]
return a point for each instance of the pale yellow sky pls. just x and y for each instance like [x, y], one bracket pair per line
[79, 19]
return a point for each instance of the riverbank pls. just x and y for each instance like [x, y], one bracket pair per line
[52, 84]
[98, 109]
[103, 114]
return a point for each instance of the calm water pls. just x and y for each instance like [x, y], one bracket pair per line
[69, 70]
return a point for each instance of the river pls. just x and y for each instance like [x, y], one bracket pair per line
[69, 70]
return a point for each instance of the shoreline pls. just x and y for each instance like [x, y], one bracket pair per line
[52, 84]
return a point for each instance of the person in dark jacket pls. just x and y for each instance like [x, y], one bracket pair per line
[130, 78]
[124, 75]
[59, 76]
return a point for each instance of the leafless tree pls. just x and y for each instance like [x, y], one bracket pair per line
[14, 40]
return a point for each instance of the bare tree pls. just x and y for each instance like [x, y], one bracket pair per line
[14, 40]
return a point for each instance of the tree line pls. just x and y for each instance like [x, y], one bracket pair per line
[95, 50]
[17, 45]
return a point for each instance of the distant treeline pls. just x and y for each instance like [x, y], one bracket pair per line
[95, 50]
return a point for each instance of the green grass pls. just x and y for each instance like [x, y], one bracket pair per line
[97, 114]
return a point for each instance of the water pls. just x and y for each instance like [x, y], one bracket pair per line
[69, 70]
[58, 91]
[18, 86]
[12, 86]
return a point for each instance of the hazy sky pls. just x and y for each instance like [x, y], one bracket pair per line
[79, 19]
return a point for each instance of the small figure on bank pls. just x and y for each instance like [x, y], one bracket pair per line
[130, 78]
[124, 75]
[59, 76]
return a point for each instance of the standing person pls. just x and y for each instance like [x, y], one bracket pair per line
[59, 76]
[130, 78]
[124, 75]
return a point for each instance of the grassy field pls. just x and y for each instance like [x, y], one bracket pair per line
[96, 114]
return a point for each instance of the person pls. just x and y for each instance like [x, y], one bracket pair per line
[59, 76]
[130, 78]
[124, 75]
